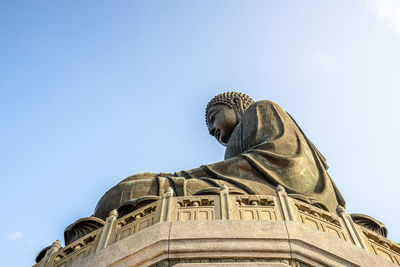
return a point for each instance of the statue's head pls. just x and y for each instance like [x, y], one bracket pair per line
[224, 112]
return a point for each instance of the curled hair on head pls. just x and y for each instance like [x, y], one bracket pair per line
[237, 101]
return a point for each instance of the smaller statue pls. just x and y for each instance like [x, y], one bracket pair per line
[264, 148]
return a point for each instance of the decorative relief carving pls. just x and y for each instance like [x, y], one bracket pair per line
[195, 202]
[255, 208]
[320, 219]
[318, 213]
[131, 205]
[135, 225]
[194, 215]
[76, 250]
[382, 246]
[195, 208]
[254, 201]
[134, 216]
[135, 221]
[309, 200]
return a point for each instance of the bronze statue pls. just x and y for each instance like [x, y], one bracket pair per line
[266, 154]
[264, 148]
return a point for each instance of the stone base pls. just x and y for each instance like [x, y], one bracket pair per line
[216, 230]
[230, 242]
[229, 264]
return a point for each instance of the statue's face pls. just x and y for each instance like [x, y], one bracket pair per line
[221, 120]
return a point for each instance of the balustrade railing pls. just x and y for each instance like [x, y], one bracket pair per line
[222, 206]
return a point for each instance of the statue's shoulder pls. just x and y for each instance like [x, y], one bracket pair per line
[262, 104]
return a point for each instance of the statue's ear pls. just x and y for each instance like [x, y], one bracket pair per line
[238, 104]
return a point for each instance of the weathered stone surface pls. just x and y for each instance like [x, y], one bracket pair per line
[172, 242]
[249, 239]
[141, 249]
[319, 248]
[245, 264]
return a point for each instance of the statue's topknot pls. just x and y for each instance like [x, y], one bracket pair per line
[227, 99]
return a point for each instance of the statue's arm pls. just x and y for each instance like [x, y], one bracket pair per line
[235, 167]
[193, 173]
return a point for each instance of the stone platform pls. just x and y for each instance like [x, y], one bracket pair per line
[227, 230]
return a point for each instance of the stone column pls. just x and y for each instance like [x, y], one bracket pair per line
[107, 229]
[225, 204]
[351, 228]
[286, 207]
[166, 205]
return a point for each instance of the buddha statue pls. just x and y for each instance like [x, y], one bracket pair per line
[266, 151]
[264, 148]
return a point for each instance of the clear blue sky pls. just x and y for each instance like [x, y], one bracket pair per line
[94, 91]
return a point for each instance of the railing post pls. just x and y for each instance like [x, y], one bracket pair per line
[107, 229]
[286, 207]
[165, 205]
[225, 204]
[49, 253]
[351, 228]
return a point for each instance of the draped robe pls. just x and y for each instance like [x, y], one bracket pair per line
[267, 148]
